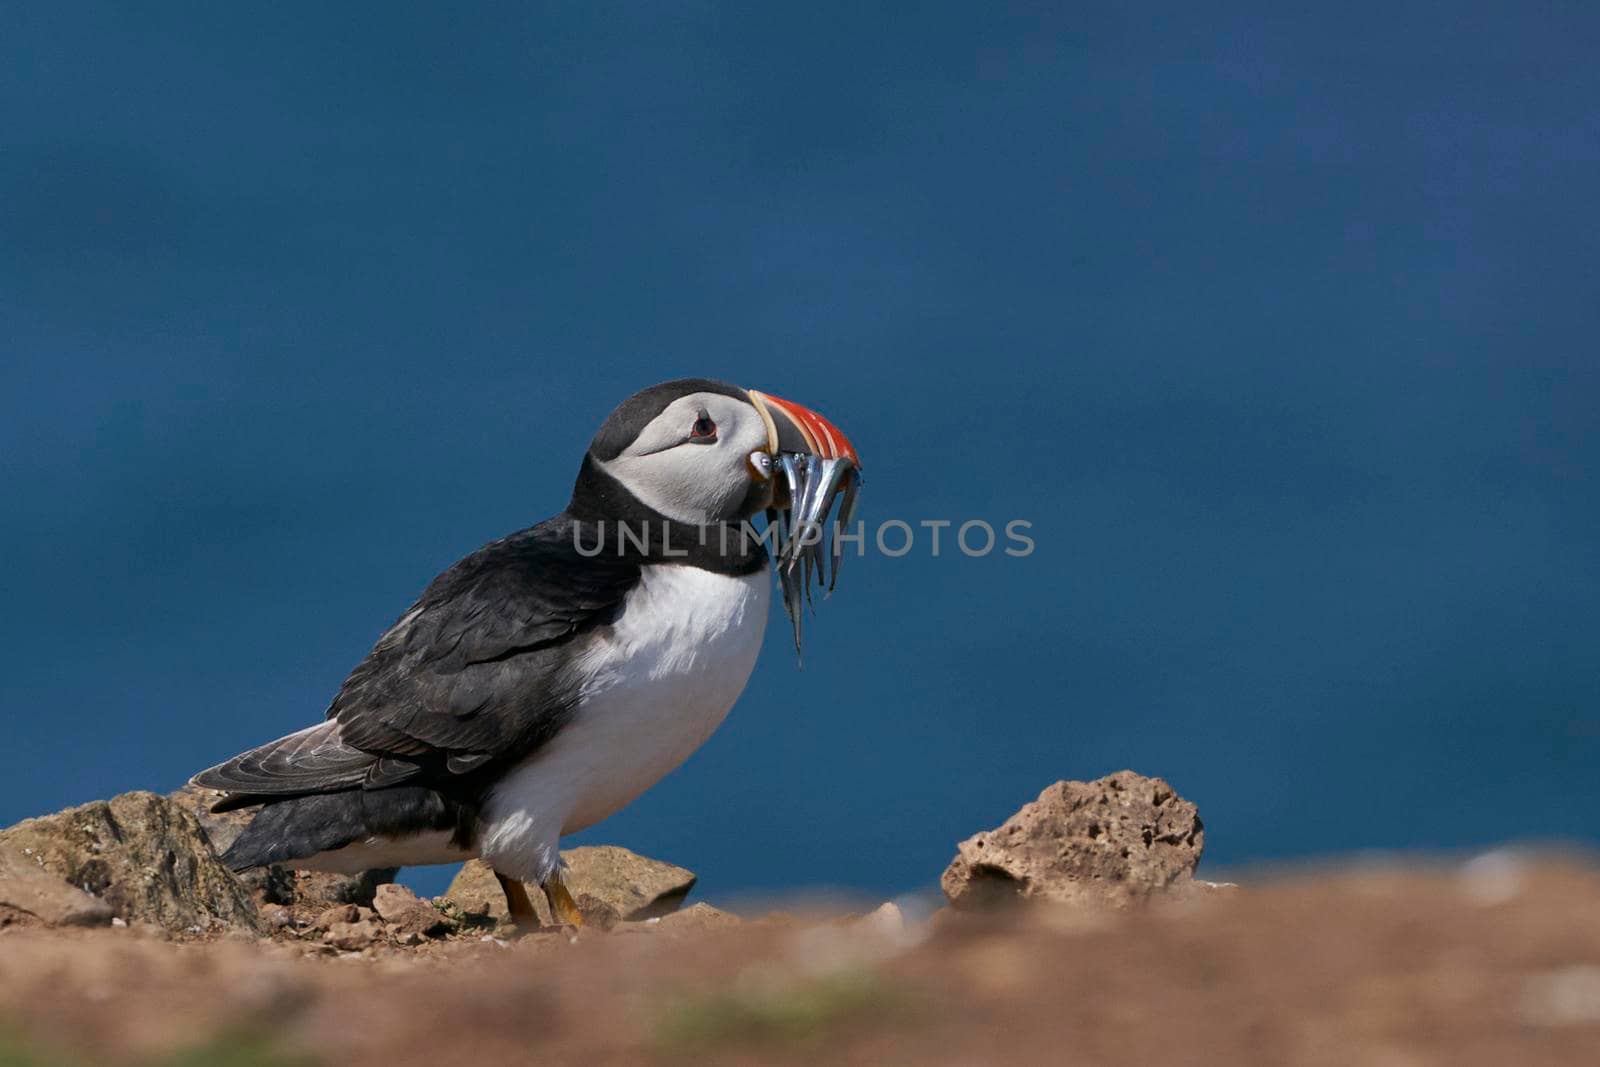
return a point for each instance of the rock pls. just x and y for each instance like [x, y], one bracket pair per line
[1115, 842]
[350, 927]
[353, 937]
[393, 902]
[145, 856]
[339, 913]
[276, 917]
[306, 890]
[268, 885]
[597, 914]
[220, 828]
[406, 915]
[25, 886]
[636, 886]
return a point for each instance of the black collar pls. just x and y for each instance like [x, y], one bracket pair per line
[613, 522]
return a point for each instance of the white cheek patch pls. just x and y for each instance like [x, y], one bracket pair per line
[684, 484]
[687, 481]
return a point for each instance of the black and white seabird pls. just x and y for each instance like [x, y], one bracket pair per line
[549, 678]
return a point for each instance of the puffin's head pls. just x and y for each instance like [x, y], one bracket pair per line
[701, 451]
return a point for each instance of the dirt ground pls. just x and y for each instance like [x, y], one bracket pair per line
[1496, 962]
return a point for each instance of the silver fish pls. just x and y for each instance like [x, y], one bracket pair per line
[805, 551]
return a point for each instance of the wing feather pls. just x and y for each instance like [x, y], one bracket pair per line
[312, 760]
[470, 675]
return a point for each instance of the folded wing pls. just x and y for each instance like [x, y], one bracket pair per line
[472, 675]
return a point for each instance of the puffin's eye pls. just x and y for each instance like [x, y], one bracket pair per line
[703, 428]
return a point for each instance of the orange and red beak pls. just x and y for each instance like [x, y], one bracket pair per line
[793, 427]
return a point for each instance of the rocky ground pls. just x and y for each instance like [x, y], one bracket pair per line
[1073, 933]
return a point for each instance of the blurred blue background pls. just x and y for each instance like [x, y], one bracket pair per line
[1280, 328]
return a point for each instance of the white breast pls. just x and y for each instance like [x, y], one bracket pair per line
[660, 680]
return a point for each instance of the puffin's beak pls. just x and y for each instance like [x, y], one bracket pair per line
[793, 427]
[812, 464]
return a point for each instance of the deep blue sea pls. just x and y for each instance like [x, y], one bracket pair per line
[1279, 327]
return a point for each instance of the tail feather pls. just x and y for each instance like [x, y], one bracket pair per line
[296, 828]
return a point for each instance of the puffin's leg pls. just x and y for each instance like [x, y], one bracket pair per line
[562, 907]
[523, 914]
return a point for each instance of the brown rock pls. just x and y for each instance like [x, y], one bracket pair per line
[405, 914]
[636, 886]
[25, 886]
[1116, 841]
[354, 936]
[144, 856]
[597, 914]
[392, 902]
[339, 913]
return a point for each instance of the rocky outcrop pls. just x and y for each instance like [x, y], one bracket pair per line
[1112, 842]
[636, 886]
[145, 857]
[609, 884]
[305, 891]
[31, 894]
[220, 828]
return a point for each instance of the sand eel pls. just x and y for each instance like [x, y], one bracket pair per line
[549, 678]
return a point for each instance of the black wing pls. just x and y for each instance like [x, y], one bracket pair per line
[470, 676]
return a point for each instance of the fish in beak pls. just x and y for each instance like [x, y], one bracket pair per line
[811, 464]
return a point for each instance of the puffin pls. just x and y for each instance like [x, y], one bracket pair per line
[546, 680]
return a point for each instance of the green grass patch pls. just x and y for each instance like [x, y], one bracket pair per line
[18, 1051]
[237, 1049]
[791, 1015]
[225, 1050]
